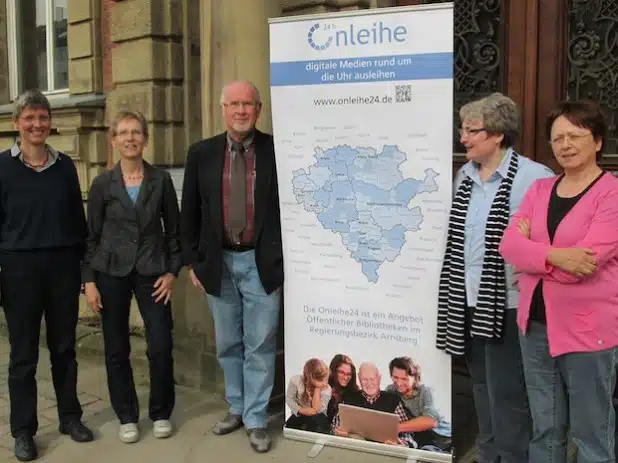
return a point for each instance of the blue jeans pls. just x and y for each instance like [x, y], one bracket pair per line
[500, 397]
[572, 392]
[246, 321]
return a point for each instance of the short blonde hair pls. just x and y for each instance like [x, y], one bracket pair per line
[126, 114]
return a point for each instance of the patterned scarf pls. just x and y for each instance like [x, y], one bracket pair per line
[488, 315]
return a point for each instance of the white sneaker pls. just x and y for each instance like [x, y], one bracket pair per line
[129, 433]
[162, 429]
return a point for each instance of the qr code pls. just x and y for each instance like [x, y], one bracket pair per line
[403, 93]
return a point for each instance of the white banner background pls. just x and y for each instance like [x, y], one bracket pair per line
[384, 110]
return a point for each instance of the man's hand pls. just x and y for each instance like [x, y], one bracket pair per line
[195, 281]
[93, 297]
[163, 288]
[579, 262]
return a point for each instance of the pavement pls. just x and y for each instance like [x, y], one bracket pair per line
[195, 414]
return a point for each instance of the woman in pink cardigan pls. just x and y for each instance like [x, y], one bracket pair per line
[564, 242]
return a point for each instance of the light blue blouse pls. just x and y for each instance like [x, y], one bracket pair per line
[481, 198]
[133, 192]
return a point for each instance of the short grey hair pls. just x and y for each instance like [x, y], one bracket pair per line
[256, 91]
[499, 115]
[125, 114]
[34, 99]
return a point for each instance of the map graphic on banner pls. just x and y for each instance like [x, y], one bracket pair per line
[362, 106]
[360, 193]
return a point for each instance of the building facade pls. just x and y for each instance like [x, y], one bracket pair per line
[170, 58]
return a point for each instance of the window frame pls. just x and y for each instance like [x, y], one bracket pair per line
[15, 57]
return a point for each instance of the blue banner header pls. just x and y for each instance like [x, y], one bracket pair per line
[363, 69]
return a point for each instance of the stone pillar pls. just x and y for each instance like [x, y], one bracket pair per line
[85, 51]
[235, 46]
[192, 72]
[147, 72]
[5, 87]
[80, 122]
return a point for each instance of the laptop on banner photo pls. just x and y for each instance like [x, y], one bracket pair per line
[372, 425]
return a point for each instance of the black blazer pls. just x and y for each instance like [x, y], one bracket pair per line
[201, 223]
[123, 236]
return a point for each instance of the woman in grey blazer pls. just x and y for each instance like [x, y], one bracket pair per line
[133, 249]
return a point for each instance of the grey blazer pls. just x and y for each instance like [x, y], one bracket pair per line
[123, 236]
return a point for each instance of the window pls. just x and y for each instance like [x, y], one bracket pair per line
[38, 53]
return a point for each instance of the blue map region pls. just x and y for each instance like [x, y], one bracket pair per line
[360, 193]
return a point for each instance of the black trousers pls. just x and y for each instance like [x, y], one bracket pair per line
[316, 423]
[116, 296]
[34, 284]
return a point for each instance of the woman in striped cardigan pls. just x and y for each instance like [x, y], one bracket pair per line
[477, 296]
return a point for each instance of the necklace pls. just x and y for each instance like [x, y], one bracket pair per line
[36, 166]
[136, 176]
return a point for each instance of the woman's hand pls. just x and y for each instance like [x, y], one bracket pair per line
[307, 411]
[523, 227]
[579, 262]
[163, 288]
[93, 297]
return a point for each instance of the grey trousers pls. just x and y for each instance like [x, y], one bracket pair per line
[500, 399]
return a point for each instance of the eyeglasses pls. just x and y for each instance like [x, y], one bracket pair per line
[241, 104]
[571, 137]
[464, 131]
[344, 373]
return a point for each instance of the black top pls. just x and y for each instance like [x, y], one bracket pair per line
[40, 210]
[201, 223]
[123, 236]
[386, 402]
[558, 209]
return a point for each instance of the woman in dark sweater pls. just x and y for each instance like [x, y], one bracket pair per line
[42, 236]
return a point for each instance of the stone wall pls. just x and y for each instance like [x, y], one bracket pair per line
[148, 72]
[168, 59]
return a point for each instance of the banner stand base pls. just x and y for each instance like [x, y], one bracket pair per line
[321, 440]
[315, 450]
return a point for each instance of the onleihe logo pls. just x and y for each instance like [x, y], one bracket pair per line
[322, 36]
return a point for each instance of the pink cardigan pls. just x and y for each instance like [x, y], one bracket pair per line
[582, 313]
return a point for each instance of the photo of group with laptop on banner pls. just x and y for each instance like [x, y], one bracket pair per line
[347, 401]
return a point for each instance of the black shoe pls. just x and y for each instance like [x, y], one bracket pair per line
[25, 448]
[77, 430]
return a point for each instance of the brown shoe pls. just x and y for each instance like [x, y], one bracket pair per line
[259, 439]
[227, 425]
